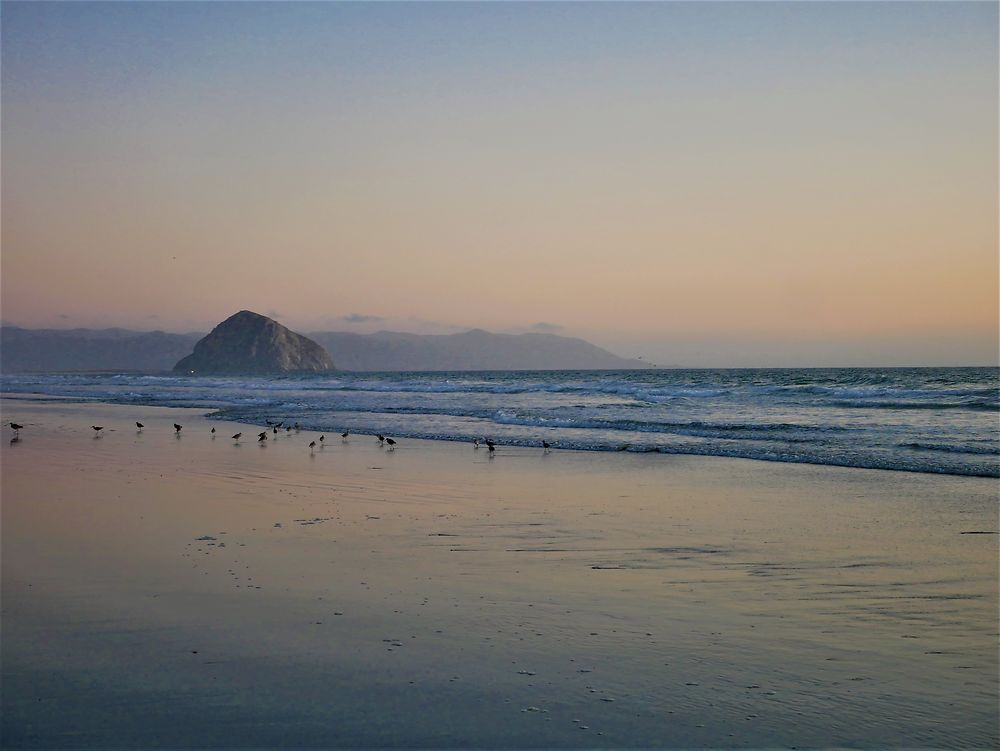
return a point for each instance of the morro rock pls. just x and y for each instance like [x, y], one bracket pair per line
[251, 343]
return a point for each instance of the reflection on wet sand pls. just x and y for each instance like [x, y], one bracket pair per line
[190, 593]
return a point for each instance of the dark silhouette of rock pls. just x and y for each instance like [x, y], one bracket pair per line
[251, 343]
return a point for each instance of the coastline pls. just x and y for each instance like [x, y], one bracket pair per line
[432, 596]
[941, 421]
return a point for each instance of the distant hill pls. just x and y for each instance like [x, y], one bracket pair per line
[470, 350]
[58, 350]
[248, 342]
[54, 350]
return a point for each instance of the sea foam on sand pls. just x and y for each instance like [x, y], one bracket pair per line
[184, 590]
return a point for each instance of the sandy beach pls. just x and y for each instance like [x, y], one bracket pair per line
[165, 590]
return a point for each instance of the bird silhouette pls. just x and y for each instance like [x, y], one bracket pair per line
[139, 425]
[392, 444]
[345, 434]
[381, 438]
[237, 436]
[177, 428]
[475, 443]
[546, 445]
[262, 436]
[491, 446]
[213, 432]
[15, 427]
[322, 438]
[312, 445]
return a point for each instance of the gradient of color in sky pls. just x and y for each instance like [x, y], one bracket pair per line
[702, 184]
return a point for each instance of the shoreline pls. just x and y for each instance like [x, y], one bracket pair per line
[215, 414]
[433, 597]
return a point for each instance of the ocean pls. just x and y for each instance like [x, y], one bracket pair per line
[940, 420]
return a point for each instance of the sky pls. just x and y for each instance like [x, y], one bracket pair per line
[699, 184]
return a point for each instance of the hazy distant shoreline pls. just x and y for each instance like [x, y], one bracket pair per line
[109, 350]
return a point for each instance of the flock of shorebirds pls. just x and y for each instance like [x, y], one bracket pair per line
[275, 427]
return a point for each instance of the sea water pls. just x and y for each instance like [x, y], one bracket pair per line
[941, 420]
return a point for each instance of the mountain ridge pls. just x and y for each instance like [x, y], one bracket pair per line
[24, 350]
[475, 349]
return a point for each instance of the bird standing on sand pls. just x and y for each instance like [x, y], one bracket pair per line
[312, 445]
[322, 438]
[546, 445]
[381, 439]
[276, 430]
[391, 443]
[16, 428]
[140, 426]
[177, 428]
[475, 443]
[491, 446]
[345, 434]
[262, 436]
[213, 432]
[237, 436]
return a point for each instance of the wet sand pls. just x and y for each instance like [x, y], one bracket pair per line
[185, 591]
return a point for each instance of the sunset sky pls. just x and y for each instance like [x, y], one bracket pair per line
[699, 183]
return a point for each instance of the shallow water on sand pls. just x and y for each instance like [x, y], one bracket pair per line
[190, 591]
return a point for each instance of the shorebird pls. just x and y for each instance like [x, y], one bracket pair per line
[392, 444]
[345, 434]
[312, 445]
[177, 428]
[262, 436]
[97, 428]
[546, 445]
[288, 429]
[213, 432]
[381, 439]
[275, 430]
[475, 443]
[322, 438]
[139, 425]
[237, 436]
[15, 427]
[491, 446]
